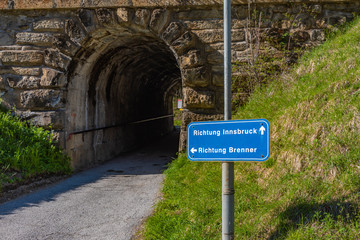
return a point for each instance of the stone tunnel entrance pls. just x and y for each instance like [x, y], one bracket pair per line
[119, 97]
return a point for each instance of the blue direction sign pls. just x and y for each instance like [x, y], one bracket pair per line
[235, 140]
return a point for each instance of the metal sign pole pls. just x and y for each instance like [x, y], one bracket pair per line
[227, 167]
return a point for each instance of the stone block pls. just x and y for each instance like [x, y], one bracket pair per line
[198, 99]
[87, 18]
[42, 99]
[317, 35]
[192, 58]
[123, 15]
[173, 31]
[217, 79]
[105, 15]
[184, 42]
[56, 59]
[159, 19]
[196, 76]
[74, 31]
[142, 17]
[49, 25]
[26, 71]
[47, 119]
[63, 43]
[23, 82]
[38, 39]
[52, 78]
[22, 58]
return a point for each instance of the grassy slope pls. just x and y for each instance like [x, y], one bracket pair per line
[309, 188]
[27, 152]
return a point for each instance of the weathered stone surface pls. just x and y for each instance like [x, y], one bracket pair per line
[39, 39]
[142, 17]
[52, 78]
[173, 31]
[191, 59]
[56, 59]
[201, 14]
[187, 117]
[159, 19]
[49, 25]
[47, 119]
[235, 46]
[23, 82]
[42, 99]
[196, 24]
[217, 79]
[22, 58]
[198, 99]
[217, 35]
[196, 76]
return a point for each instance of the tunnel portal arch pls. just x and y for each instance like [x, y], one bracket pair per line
[125, 73]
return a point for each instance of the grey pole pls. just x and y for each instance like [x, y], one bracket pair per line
[227, 167]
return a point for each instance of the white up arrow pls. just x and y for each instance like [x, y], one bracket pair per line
[262, 130]
[193, 150]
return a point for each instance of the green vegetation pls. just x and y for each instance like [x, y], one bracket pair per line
[310, 186]
[27, 152]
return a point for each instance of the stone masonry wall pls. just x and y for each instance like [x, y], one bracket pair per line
[39, 48]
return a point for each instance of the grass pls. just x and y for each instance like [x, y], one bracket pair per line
[310, 186]
[27, 152]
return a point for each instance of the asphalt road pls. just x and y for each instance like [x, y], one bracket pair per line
[106, 202]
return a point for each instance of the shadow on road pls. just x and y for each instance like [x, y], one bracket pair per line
[151, 159]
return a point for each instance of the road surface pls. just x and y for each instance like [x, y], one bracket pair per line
[105, 202]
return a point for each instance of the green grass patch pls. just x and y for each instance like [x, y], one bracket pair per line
[310, 186]
[27, 151]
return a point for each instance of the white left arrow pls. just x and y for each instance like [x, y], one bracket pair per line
[193, 150]
[262, 130]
